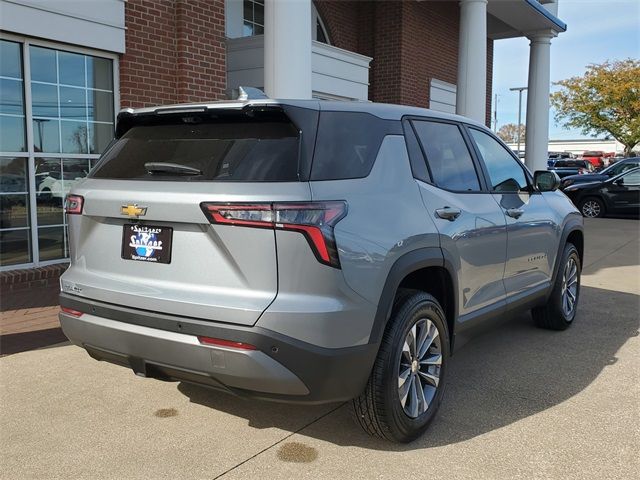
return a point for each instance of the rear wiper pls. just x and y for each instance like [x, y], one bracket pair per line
[173, 168]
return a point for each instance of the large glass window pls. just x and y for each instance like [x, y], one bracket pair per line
[72, 96]
[14, 184]
[12, 111]
[71, 119]
[448, 157]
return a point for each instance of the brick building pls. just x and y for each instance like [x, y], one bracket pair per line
[67, 68]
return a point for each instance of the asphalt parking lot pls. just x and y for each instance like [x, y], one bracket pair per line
[520, 403]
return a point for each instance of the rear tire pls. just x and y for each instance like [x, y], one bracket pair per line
[561, 308]
[592, 207]
[406, 384]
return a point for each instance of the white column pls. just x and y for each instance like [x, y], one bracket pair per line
[287, 48]
[471, 100]
[537, 126]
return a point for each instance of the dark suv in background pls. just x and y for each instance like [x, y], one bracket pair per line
[309, 251]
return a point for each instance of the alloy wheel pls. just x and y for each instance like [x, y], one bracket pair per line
[419, 369]
[569, 287]
[591, 209]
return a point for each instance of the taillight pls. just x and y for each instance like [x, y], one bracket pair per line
[315, 220]
[73, 204]
[219, 342]
[71, 311]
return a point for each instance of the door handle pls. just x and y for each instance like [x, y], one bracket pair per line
[514, 212]
[448, 213]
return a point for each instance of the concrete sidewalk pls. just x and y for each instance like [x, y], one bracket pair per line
[520, 403]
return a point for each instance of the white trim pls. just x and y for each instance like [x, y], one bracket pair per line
[55, 11]
[66, 47]
[22, 266]
[79, 22]
[70, 86]
[341, 54]
[31, 167]
[70, 156]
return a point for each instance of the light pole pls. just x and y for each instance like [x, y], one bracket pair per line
[519, 90]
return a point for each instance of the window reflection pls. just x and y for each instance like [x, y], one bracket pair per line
[72, 111]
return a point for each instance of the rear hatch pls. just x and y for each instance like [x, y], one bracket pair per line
[143, 239]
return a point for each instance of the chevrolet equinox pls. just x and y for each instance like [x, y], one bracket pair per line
[312, 251]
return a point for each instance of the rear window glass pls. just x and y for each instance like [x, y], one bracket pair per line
[235, 151]
[347, 145]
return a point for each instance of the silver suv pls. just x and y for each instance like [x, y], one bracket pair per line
[311, 251]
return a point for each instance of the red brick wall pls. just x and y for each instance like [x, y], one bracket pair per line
[201, 61]
[175, 52]
[411, 42]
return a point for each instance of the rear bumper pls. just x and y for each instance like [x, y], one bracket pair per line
[166, 347]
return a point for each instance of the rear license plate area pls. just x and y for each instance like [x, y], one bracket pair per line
[146, 243]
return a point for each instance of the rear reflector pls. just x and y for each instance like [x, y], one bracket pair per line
[218, 342]
[71, 311]
[73, 204]
[315, 220]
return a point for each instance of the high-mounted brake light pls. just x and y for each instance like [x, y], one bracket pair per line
[73, 204]
[315, 220]
[218, 342]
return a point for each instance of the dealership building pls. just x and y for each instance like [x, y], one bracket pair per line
[68, 66]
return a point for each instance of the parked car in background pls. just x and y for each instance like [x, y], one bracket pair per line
[611, 171]
[311, 251]
[564, 168]
[619, 195]
[553, 156]
[596, 157]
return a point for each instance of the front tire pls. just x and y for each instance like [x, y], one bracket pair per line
[561, 308]
[406, 385]
[592, 207]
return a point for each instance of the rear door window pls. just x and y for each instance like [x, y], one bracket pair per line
[448, 157]
[251, 151]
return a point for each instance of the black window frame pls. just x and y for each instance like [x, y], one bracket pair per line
[480, 172]
[527, 174]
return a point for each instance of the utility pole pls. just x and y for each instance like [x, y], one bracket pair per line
[519, 90]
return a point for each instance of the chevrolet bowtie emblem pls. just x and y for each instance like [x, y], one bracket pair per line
[133, 210]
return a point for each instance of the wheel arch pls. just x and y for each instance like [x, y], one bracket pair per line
[425, 269]
[572, 232]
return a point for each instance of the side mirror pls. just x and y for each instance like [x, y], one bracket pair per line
[619, 181]
[546, 181]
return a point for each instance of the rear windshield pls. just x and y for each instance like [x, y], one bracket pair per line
[252, 151]
[570, 164]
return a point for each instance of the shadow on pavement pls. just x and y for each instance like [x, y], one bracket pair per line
[509, 373]
[38, 297]
[25, 341]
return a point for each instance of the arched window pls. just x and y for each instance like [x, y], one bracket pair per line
[253, 21]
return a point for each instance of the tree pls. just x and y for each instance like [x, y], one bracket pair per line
[605, 101]
[509, 133]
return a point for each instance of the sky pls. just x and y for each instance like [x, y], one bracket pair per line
[597, 30]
